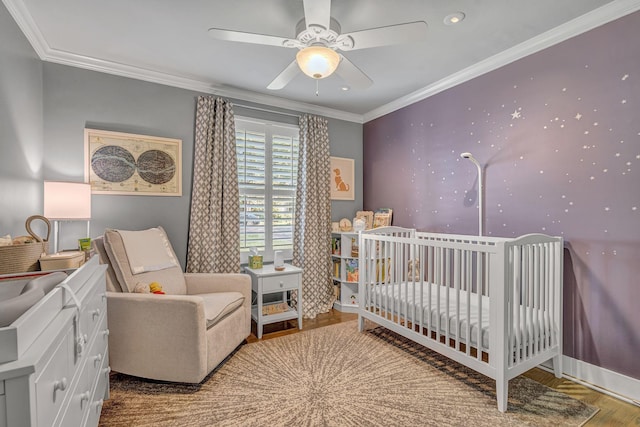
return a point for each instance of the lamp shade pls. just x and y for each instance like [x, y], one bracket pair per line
[67, 200]
[317, 62]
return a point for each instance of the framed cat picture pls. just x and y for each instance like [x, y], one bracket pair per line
[342, 179]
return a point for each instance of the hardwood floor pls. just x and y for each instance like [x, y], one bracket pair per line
[613, 412]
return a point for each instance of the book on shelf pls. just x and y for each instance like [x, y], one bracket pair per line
[336, 291]
[354, 247]
[351, 267]
[335, 245]
[336, 269]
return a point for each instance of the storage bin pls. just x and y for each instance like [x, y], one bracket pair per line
[62, 260]
[24, 257]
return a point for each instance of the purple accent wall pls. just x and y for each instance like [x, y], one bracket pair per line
[558, 135]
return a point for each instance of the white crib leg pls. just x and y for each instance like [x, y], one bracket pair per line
[557, 366]
[502, 394]
[360, 323]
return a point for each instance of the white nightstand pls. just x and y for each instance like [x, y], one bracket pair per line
[267, 280]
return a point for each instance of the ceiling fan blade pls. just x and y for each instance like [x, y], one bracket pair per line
[318, 13]
[382, 36]
[285, 76]
[352, 75]
[239, 36]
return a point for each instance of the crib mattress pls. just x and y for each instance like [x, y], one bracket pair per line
[408, 300]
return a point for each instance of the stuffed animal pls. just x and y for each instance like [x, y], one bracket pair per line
[413, 270]
[144, 288]
[141, 288]
[156, 288]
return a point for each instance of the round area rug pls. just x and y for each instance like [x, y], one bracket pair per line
[336, 376]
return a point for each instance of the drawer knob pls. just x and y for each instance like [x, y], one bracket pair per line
[105, 333]
[282, 284]
[95, 313]
[84, 397]
[97, 359]
[60, 385]
[98, 405]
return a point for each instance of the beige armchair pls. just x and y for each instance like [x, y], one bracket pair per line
[178, 336]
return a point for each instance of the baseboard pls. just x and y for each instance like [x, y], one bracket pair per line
[600, 379]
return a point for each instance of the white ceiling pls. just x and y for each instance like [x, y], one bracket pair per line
[167, 42]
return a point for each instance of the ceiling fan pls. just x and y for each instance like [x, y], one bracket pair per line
[318, 38]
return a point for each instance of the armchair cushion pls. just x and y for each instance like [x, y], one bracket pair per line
[171, 278]
[218, 305]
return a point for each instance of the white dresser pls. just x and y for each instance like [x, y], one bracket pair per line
[59, 372]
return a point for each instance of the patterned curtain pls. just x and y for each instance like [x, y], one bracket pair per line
[214, 229]
[312, 229]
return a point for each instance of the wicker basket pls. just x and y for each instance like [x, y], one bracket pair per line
[25, 257]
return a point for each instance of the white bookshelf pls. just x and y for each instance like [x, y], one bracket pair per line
[345, 266]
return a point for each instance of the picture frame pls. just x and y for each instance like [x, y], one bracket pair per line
[382, 217]
[120, 163]
[368, 218]
[342, 178]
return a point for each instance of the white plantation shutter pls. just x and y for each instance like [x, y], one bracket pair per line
[267, 172]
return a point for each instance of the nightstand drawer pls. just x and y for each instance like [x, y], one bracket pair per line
[280, 283]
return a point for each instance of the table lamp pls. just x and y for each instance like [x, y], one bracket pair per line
[67, 201]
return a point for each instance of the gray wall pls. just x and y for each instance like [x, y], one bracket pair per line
[44, 109]
[20, 129]
[76, 98]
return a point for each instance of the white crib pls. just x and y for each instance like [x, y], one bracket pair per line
[492, 304]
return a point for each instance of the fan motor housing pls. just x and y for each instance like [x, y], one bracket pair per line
[316, 33]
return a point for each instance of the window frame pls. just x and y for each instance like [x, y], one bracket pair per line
[267, 127]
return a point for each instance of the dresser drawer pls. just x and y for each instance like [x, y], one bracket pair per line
[97, 352]
[54, 381]
[94, 308]
[78, 403]
[280, 283]
[99, 394]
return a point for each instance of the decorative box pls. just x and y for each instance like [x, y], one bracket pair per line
[62, 260]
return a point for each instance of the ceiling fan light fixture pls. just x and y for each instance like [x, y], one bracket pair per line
[317, 62]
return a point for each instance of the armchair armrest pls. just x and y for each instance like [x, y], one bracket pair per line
[205, 283]
[157, 336]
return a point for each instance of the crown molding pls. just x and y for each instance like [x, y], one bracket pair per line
[577, 26]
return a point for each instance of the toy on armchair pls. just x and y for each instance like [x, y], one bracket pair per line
[144, 288]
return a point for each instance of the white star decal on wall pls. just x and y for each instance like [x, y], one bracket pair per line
[515, 115]
[578, 116]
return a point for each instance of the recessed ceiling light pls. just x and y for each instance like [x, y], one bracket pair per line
[345, 88]
[454, 18]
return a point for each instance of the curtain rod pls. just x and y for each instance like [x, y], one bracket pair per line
[266, 110]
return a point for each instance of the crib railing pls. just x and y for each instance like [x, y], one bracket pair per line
[534, 298]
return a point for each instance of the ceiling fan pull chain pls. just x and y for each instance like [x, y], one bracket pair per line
[317, 87]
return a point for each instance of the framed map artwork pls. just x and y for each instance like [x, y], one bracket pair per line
[124, 163]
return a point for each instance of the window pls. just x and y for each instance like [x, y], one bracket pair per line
[267, 173]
